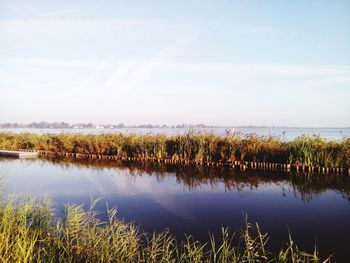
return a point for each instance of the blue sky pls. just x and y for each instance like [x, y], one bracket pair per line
[283, 63]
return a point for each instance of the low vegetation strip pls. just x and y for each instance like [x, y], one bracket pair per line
[192, 147]
[29, 232]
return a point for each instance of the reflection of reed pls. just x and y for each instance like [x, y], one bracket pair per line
[196, 177]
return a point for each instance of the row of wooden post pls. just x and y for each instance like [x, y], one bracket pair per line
[242, 165]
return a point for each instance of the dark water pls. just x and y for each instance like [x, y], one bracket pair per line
[197, 200]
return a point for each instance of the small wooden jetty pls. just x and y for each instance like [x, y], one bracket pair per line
[18, 154]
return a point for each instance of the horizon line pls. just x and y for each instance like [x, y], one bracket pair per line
[155, 126]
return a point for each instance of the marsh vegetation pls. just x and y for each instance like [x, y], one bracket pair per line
[192, 147]
[30, 233]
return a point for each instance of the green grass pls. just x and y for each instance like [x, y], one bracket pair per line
[30, 233]
[198, 147]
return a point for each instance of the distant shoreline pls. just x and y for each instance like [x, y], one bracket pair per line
[65, 125]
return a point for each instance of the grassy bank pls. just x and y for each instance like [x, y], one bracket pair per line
[30, 233]
[194, 147]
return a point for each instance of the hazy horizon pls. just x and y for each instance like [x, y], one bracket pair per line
[220, 63]
[127, 125]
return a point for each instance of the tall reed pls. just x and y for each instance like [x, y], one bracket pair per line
[198, 147]
[30, 233]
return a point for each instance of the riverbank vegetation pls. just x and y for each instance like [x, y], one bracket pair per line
[193, 147]
[29, 232]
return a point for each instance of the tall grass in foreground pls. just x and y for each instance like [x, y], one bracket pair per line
[198, 147]
[30, 233]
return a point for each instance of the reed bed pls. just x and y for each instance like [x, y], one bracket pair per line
[30, 233]
[200, 148]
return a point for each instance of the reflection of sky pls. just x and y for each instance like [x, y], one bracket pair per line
[39, 178]
[157, 202]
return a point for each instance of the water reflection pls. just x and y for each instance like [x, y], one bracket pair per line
[196, 200]
[194, 178]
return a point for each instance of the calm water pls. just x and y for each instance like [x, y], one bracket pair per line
[196, 200]
[286, 133]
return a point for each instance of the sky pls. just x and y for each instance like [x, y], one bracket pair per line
[231, 63]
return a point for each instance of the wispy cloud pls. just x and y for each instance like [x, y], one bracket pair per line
[169, 65]
[136, 73]
[254, 29]
[48, 62]
[131, 74]
[8, 49]
[56, 13]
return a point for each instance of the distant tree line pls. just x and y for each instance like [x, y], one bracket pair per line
[65, 125]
